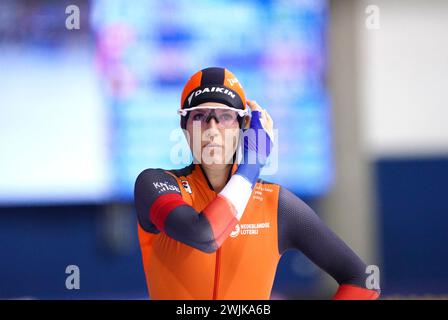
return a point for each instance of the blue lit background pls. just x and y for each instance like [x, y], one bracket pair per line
[82, 112]
[101, 101]
[147, 51]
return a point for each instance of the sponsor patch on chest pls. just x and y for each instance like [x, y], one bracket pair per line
[186, 186]
[260, 192]
[249, 229]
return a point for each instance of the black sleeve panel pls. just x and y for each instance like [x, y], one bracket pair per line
[183, 223]
[300, 228]
[150, 184]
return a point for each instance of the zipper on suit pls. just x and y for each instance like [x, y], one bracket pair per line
[217, 272]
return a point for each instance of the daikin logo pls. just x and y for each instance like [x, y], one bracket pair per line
[211, 89]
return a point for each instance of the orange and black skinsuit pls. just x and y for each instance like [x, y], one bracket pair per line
[200, 244]
[185, 260]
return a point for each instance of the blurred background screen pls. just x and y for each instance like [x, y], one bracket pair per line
[54, 127]
[357, 92]
[100, 106]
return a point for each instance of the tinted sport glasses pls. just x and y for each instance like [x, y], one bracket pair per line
[225, 117]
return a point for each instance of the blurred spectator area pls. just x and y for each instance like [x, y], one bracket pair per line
[388, 104]
[39, 22]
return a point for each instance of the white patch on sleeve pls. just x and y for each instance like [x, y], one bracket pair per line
[163, 186]
[238, 191]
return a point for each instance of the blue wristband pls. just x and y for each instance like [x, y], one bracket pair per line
[253, 158]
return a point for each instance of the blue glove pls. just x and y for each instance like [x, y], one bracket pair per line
[257, 147]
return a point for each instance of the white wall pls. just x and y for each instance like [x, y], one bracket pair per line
[404, 78]
[389, 89]
[53, 128]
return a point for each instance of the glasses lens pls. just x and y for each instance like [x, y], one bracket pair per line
[227, 117]
[198, 115]
[224, 117]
